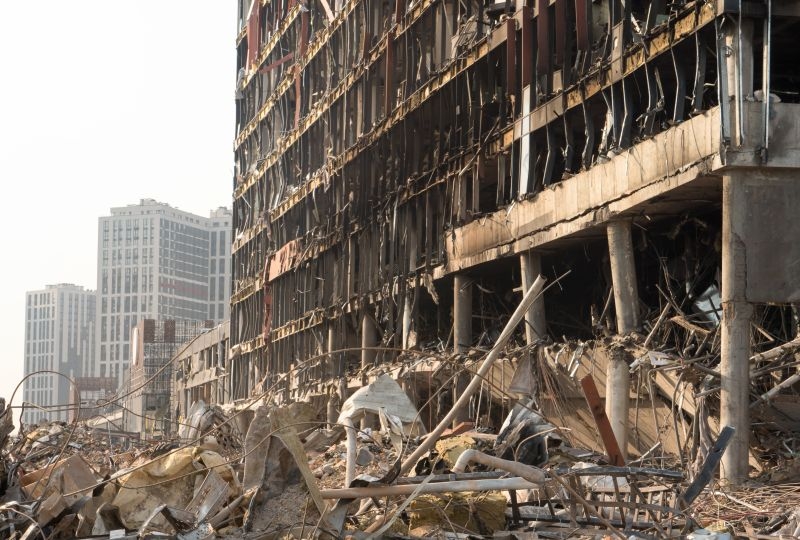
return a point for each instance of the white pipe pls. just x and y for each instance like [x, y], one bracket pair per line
[434, 487]
[530, 296]
[740, 79]
[350, 469]
[529, 473]
[765, 397]
[776, 352]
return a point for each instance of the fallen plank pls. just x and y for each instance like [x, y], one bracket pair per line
[707, 472]
[601, 419]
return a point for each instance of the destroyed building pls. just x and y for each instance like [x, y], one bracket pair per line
[500, 270]
[150, 383]
[405, 168]
[200, 370]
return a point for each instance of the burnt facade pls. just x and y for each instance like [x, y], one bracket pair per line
[403, 168]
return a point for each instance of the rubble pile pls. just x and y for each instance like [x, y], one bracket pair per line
[534, 459]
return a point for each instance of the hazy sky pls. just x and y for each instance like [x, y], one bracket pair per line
[103, 103]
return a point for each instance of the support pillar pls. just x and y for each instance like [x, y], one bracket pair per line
[623, 276]
[331, 409]
[618, 382]
[462, 313]
[735, 327]
[369, 340]
[462, 332]
[530, 264]
[411, 293]
[626, 307]
[331, 375]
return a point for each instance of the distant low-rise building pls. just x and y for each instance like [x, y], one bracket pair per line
[94, 394]
[147, 390]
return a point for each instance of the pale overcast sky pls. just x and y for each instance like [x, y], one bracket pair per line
[103, 103]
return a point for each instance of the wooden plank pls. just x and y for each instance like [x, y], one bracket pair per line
[683, 323]
[707, 472]
[600, 418]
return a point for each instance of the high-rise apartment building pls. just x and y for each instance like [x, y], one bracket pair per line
[157, 262]
[59, 337]
[219, 255]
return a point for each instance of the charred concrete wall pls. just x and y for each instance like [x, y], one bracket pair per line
[200, 369]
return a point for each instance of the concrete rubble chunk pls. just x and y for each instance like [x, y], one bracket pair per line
[451, 448]
[477, 513]
[364, 457]
[51, 508]
[70, 475]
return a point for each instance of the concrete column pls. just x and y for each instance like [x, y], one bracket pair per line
[462, 332]
[462, 313]
[530, 264]
[369, 339]
[626, 306]
[331, 374]
[736, 314]
[623, 276]
[618, 380]
[411, 292]
[331, 413]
